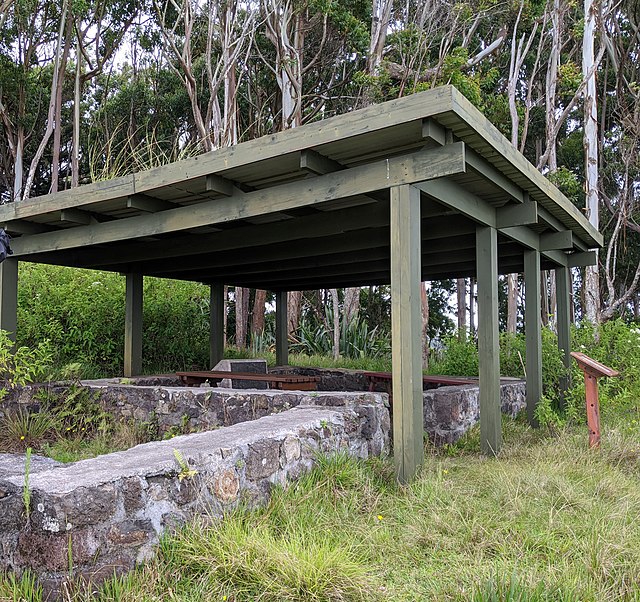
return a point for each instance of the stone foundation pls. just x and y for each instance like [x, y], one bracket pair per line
[449, 412]
[108, 512]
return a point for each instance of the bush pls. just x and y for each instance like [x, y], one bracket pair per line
[22, 365]
[81, 313]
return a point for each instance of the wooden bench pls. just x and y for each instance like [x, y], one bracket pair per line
[384, 379]
[275, 381]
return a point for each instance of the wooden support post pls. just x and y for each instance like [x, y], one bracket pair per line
[133, 326]
[488, 346]
[282, 343]
[408, 430]
[216, 324]
[563, 318]
[9, 296]
[533, 332]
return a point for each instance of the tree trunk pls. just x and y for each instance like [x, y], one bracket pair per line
[512, 303]
[472, 307]
[257, 318]
[461, 287]
[425, 325]
[242, 316]
[544, 292]
[18, 170]
[553, 303]
[336, 323]
[225, 299]
[351, 304]
[56, 82]
[380, 16]
[77, 98]
[591, 280]
[294, 306]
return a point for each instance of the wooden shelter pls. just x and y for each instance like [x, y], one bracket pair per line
[414, 189]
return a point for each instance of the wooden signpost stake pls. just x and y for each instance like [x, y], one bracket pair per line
[592, 370]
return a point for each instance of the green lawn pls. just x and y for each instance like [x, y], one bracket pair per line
[547, 520]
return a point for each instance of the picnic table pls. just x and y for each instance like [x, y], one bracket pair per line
[286, 382]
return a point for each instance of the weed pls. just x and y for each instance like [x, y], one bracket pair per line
[20, 589]
[22, 429]
[186, 472]
[26, 491]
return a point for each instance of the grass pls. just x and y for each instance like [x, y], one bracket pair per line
[548, 520]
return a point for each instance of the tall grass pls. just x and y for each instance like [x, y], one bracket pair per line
[548, 520]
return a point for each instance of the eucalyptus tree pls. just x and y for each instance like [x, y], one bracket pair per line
[31, 29]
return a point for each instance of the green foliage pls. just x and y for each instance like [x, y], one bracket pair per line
[81, 313]
[567, 182]
[615, 344]
[22, 429]
[457, 357]
[78, 414]
[501, 589]
[186, 472]
[20, 589]
[357, 339]
[22, 365]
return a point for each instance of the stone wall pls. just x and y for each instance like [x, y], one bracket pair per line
[108, 512]
[449, 412]
[169, 406]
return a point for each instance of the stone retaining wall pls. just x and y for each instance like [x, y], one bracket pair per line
[449, 412]
[168, 407]
[108, 512]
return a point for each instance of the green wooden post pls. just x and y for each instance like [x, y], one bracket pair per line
[9, 296]
[408, 430]
[533, 332]
[282, 343]
[488, 346]
[133, 326]
[216, 323]
[563, 317]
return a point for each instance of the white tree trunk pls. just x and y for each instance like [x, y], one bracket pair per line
[591, 282]
[75, 136]
[461, 293]
[380, 16]
[424, 297]
[336, 323]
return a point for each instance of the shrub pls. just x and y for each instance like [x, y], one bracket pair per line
[81, 313]
[22, 365]
[616, 344]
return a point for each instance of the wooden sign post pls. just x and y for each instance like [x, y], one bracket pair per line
[592, 370]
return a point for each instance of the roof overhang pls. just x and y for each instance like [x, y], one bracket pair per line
[309, 207]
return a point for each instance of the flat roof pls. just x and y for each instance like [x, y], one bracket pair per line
[309, 207]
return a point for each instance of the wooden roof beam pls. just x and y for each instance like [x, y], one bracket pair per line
[581, 260]
[148, 204]
[317, 164]
[556, 240]
[556, 225]
[219, 185]
[77, 216]
[23, 226]
[497, 178]
[406, 169]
